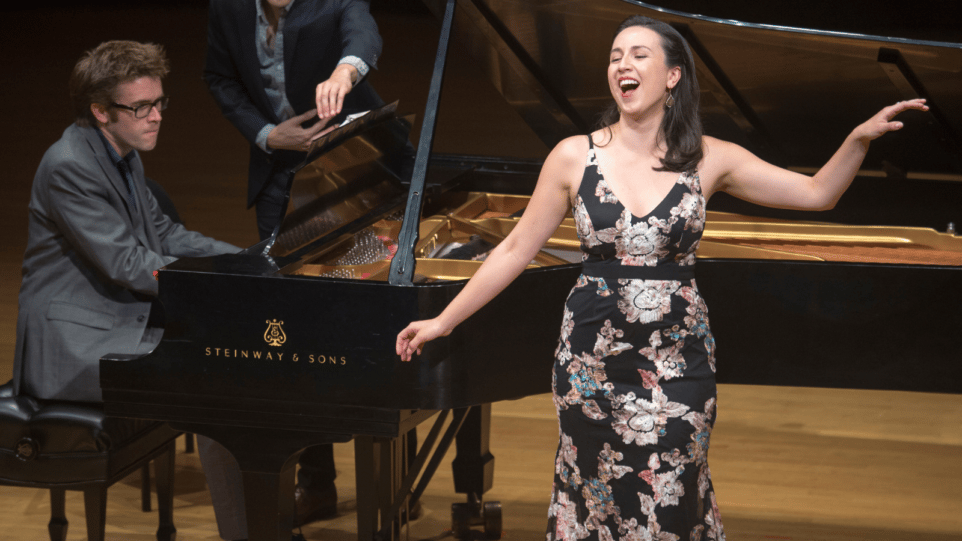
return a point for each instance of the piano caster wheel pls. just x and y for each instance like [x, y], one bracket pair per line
[460, 520]
[492, 520]
[465, 515]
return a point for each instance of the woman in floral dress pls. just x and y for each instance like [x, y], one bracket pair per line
[634, 377]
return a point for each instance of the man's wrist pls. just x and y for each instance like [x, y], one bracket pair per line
[360, 68]
[261, 140]
[349, 71]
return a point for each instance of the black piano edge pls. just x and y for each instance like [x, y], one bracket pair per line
[294, 416]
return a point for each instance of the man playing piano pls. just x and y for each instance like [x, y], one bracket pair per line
[96, 234]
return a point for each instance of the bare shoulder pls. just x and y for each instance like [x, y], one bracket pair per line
[721, 150]
[568, 156]
[715, 163]
[570, 150]
[719, 157]
[564, 166]
[717, 149]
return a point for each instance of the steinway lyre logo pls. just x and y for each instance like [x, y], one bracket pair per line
[274, 335]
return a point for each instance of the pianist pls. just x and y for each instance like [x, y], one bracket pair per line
[95, 233]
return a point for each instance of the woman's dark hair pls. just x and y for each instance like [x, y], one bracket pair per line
[681, 126]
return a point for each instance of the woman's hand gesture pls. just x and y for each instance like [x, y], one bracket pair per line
[413, 337]
[882, 122]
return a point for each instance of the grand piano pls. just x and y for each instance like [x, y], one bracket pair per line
[291, 342]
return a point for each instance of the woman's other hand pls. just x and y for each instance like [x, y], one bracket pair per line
[414, 336]
[882, 122]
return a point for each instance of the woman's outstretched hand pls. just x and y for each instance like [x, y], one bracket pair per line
[882, 122]
[413, 337]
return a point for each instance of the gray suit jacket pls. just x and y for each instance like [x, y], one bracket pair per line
[88, 268]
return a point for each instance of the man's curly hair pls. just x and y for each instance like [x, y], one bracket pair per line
[100, 70]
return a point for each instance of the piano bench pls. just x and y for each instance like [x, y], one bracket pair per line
[64, 446]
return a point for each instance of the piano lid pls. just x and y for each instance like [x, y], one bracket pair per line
[790, 95]
[349, 175]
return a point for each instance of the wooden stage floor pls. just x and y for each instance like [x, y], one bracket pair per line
[788, 463]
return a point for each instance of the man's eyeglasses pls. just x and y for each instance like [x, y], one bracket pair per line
[141, 111]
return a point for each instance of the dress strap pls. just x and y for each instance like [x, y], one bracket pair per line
[665, 271]
[591, 175]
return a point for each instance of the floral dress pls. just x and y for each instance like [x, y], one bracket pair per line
[634, 378]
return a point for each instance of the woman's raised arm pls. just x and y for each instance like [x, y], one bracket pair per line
[549, 203]
[744, 175]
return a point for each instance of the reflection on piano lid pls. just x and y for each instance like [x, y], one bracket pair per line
[922, 22]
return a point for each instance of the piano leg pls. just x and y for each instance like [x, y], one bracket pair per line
[390, 480]
[473, 466]
[377, 483]
[258, 488]
[267, 468]
[473, 475]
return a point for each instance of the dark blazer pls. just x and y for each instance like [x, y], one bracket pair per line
[317, 34]
[88, 268]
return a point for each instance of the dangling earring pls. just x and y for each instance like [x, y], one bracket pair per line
[670, 101]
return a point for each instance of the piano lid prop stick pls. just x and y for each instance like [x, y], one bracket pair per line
[402, 267]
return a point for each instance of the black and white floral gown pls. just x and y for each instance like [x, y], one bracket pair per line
[634, 378]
